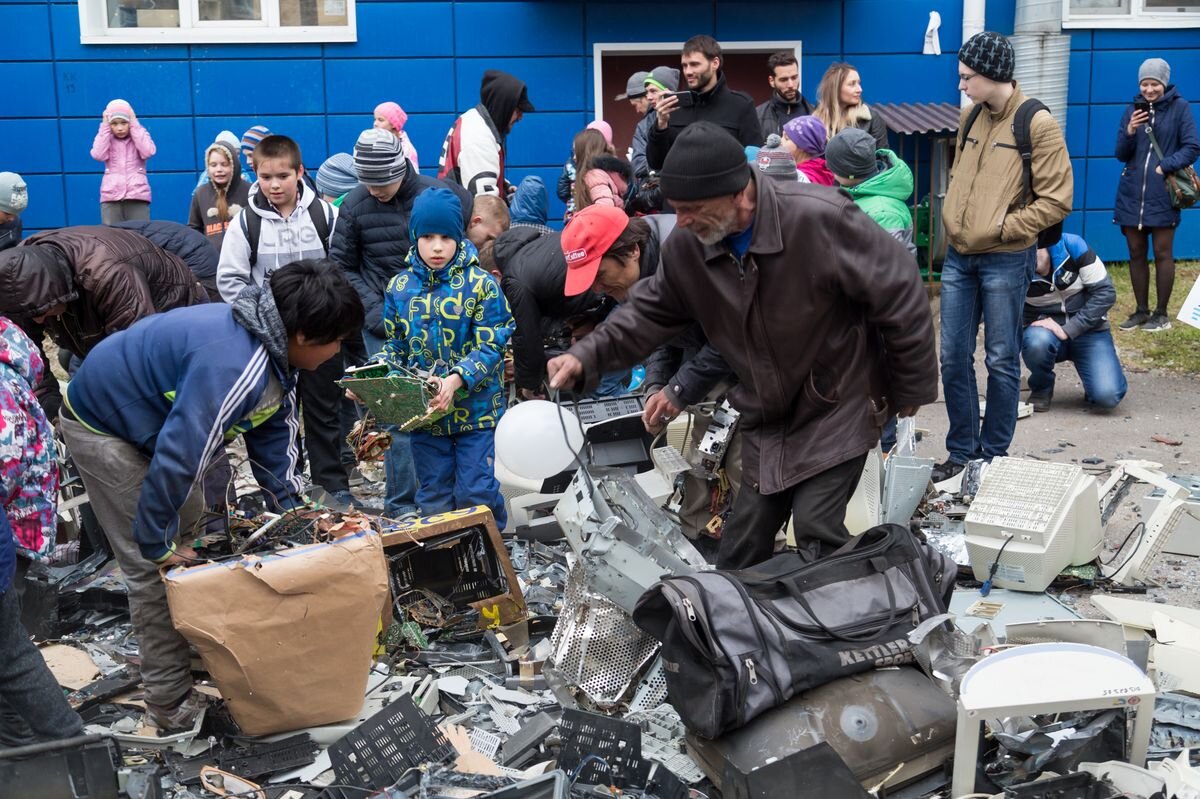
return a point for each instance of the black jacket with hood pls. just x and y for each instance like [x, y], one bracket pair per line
[777, 112]
[370, 238]
[474, 150]
[534, 276]
[720, 105]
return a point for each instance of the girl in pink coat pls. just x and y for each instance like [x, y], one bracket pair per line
[123, 146]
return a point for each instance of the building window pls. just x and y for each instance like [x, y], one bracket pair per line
[1131, 13]
[215, 21]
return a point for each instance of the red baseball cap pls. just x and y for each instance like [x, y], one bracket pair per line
[584, 241]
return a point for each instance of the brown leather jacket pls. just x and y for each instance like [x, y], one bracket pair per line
[824, 321]
[107, 277]
[983, 211]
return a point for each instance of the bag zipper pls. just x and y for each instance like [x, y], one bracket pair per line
[762, 639]
[689, 630]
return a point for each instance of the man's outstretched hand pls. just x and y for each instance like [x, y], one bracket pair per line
[564, 371]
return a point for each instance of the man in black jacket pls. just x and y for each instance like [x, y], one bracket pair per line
[193, 248]
[786, 101]
[370, 241]
[712, 101]
[533, 276]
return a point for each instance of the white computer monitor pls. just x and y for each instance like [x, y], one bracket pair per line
[1032, 519]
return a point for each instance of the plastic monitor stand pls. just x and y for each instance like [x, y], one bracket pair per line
[1161, 524]
[1031, 519]
[1044, 679]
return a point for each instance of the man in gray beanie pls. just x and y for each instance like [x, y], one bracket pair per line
[762, 265]
[370, 242]
[992, 225]
[656, 82]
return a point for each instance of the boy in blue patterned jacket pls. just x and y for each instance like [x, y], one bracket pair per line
[445, 312]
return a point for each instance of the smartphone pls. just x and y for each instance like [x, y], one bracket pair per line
[686, 98]
[1142, 105]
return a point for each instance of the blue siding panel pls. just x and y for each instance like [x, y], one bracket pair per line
[207, 52]
[83, 199]
[32, 25]
[1105, 237]
[508, 29]
[29, 90]
[151, 87]
[1102, 177]
[999, 16]
[885, 26]
[47, 205]
[172, 195]
[427, 132]
[554, 84]
[230, 87]
[1079, 175]
[1102, 130]
[543, 139]
[1077, 129]
[818, 24]
[418, 85]
[30, 145]
[1080, 40]
[428, 27]
[610, 22]
[1079, 81]
[909, 78]
[1145, 41]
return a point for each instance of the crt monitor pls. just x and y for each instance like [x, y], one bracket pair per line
[1030, 520]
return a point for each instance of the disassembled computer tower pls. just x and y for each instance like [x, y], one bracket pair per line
[625, 542]
[717, 437]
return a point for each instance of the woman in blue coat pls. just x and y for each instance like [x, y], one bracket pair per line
[1143, 207]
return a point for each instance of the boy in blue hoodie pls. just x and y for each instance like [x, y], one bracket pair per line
[154, 404]
[445, 314]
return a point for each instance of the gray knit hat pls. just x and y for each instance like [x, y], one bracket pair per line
[14, 194]
[336, 176]
[379, 158]
[851, 154]
[1156, 69]
[665, 78]
[990, 55]
[634, 87]
[774, 161]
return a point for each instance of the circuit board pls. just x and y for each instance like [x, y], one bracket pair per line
[399, 400]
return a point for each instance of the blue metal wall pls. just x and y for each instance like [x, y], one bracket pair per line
[429, 57]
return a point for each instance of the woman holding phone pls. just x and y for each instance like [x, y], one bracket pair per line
[1143, 207]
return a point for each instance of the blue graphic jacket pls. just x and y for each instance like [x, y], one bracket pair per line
[456, 315]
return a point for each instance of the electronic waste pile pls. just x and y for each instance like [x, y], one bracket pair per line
[447, 658]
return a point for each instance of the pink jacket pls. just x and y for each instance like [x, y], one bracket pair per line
[124, 163]
[605, 188]
[815, 171]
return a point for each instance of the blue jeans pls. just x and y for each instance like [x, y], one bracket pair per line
[458, 471]
[989, 288]
[400, 476]
[1094, 357]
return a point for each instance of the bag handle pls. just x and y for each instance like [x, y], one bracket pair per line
[1154, 143]
[796, 594]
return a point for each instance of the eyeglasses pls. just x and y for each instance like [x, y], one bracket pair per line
[967, 78]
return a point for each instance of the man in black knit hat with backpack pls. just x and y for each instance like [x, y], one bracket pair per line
[814, 306]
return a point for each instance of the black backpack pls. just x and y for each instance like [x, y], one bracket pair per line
[1020, 130]
[252, 227]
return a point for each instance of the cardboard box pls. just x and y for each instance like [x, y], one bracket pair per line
[434, 554]
[288, 638]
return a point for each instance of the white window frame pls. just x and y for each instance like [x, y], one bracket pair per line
[1138, 17]
[601, 49]
[94, 29]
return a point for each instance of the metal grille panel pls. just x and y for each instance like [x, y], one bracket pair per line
[597, 649]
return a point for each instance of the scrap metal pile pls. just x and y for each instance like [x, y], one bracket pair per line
[349, 656]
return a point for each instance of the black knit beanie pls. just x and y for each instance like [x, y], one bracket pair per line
[989, 54]
[704, 162]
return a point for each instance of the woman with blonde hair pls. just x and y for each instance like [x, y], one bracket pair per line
[840, 104]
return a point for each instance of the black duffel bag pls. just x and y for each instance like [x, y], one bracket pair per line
[738, 643]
